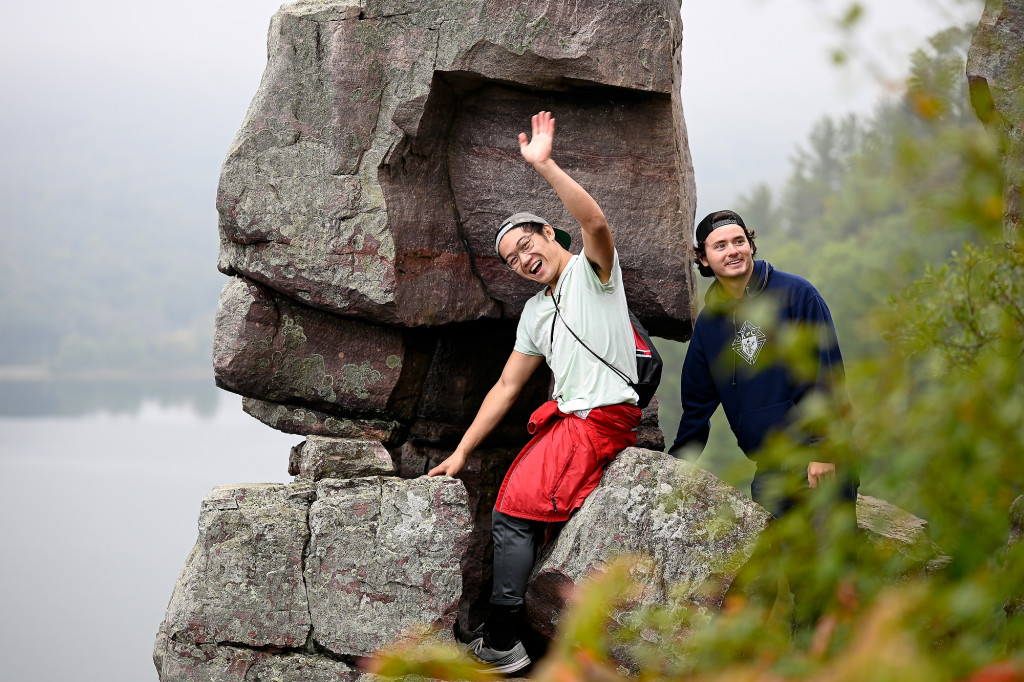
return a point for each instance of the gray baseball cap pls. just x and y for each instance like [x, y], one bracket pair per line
[523, 218]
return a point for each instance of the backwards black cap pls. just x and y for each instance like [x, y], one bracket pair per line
[715, 220]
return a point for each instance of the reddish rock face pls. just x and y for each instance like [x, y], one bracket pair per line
[380, 153]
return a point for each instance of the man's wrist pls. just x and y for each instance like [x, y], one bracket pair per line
[545, 166]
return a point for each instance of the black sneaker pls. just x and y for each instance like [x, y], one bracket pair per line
[510, 661]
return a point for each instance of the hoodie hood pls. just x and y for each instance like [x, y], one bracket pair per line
[717, 299]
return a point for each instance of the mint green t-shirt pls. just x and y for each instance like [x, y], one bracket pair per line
[597, 313]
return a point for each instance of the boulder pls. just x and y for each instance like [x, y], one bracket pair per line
[269, 347]
[895, 531]
[380, 153]
[243, 582]
[697, 530]
[384, 558]
[344, 566]
[995, 71]
[318, 457]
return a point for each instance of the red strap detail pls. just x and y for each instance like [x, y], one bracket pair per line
[642, 349]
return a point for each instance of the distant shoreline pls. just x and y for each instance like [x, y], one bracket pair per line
[43, 374]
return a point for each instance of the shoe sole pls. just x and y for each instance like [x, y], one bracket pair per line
[513, 667]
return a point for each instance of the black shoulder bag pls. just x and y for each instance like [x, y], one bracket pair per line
[648, 360]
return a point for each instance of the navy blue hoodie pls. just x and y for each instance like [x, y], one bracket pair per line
[731, 359]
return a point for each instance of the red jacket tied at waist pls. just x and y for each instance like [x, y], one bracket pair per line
[563, 463]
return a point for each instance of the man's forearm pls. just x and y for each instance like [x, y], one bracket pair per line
[583, 208]
[495, 406]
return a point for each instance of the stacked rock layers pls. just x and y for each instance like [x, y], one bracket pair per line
[359, 200]
[317, 573]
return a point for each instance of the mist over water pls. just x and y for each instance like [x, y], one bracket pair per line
[99, 514]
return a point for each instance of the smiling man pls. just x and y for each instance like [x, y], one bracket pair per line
[725, 363]
[593, 413]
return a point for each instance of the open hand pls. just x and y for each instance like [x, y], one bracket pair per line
[538, 148]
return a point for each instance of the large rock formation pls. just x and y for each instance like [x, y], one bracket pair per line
[359, 200]
[366, 310]
[995, 71]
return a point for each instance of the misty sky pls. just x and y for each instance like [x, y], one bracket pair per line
[127, 108]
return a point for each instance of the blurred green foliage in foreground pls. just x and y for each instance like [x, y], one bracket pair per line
[938, 385]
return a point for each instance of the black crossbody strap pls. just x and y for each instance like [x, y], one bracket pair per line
[558, 314]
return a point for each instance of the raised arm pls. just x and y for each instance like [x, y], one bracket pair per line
[598, 244]
[499, 400]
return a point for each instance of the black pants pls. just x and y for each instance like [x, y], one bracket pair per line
[516, 543]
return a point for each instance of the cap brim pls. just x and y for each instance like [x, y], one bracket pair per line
[563, 238]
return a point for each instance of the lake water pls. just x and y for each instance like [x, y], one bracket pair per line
[102, 488]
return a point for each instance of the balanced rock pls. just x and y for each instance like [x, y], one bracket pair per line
[380, 153]
[359, 200]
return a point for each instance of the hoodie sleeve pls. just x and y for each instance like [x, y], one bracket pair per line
[698, 395]
[831, 373]
[830, 376]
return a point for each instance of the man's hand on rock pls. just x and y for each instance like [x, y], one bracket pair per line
[820, 472]
[450, 466]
